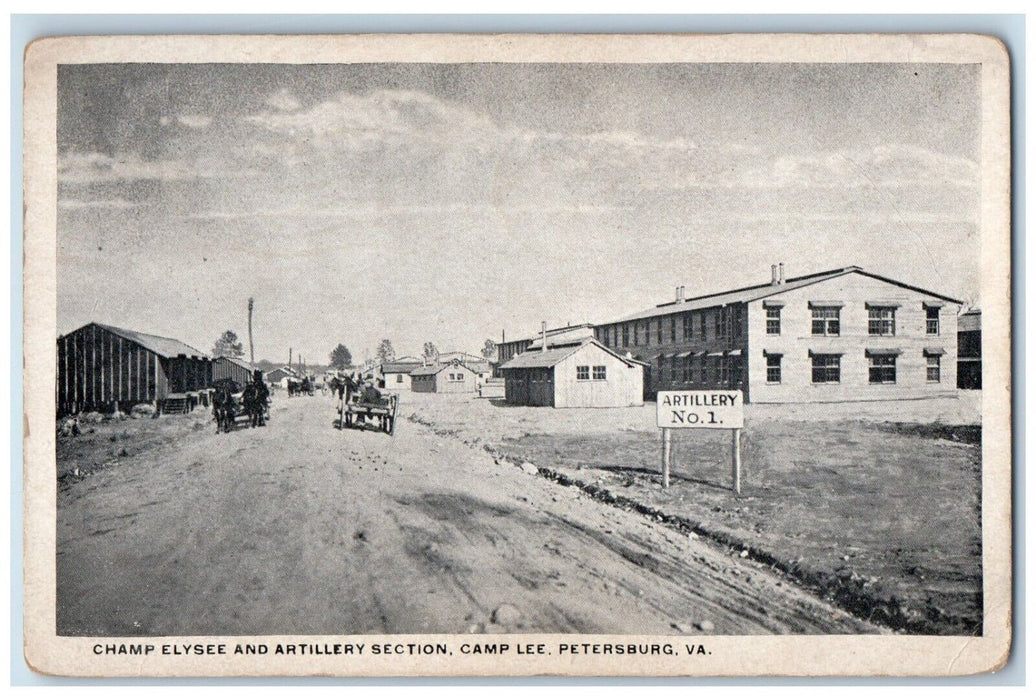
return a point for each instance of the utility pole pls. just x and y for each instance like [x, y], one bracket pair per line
[251, 347]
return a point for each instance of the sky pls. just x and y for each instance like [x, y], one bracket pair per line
[452, 203]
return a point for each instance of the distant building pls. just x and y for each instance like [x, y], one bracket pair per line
[395, 375]
[581, 374]
[102, 367]
[280, 376]
[452, 378]
[506, 349]
[969, 350]
[839, 335]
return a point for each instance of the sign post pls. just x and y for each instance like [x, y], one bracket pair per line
[715, 409]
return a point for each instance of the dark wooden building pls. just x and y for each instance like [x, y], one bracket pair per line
[232, 368]
[969, 350]
[101, 368]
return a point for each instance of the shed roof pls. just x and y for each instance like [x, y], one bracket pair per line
[762, 291]
[552, 357]
[429, 370]
[399, 367]
[235, 361]
[161, 346]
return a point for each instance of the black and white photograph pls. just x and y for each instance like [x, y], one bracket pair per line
[420, 356]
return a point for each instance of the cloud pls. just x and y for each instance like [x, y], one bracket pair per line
[96, 204]
[194, 121]
[368, 212]
[80, 167]
[283, 101]
[884, 166]
[414, 119]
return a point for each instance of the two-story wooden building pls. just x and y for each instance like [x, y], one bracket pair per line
[839, 335]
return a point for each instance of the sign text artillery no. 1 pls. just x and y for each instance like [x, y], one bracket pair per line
[716, 409]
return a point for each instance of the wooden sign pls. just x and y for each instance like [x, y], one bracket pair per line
[722, 409]
[713, 408]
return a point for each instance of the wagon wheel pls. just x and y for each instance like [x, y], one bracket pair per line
[391, 418]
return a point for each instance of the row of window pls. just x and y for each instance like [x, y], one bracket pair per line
[723, 370]
[827, 320]
[827, 369]
[600, 373]
[726, 323]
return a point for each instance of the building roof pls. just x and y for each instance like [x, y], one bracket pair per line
[573, 335]
[550, 332]
[399, 367]
[234, 360]
[762, 291]
[970, 320]
[163, 347]
[435, 369]
[554, 356]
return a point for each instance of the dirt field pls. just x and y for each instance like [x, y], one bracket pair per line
[873, 506]
[165, 528]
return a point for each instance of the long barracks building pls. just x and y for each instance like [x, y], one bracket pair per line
[839, 335]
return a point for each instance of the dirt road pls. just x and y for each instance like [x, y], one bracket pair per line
[298, 528]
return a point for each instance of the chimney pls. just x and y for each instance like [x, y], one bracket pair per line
[543, 331]
[679, 295]
[773, 274]
[503, 336]
[780, 273]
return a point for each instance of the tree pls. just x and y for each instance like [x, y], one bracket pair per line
[489, 350]
[430, 351]
[385, 351]
[228, 346]
[341, 357]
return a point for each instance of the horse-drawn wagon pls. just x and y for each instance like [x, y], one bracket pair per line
[364, 406]
[232, 403]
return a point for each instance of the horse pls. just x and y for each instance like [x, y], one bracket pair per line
[224, 407]
[255, 404]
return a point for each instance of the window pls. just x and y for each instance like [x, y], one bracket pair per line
[827, 369]
[582, 372]
[672, 329]
[688, 326]
[701, 326]
[773, 322]
[717, 320]
[688, 368]
[737, 372]
[703, 371]
[658, 329]
[625, 335]
[882, 369]
[934, 368]
[827, 320]
[600, 372]
[723, 369]
[399, 379]
[881, 320]
[773, 369]
[931, 325]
